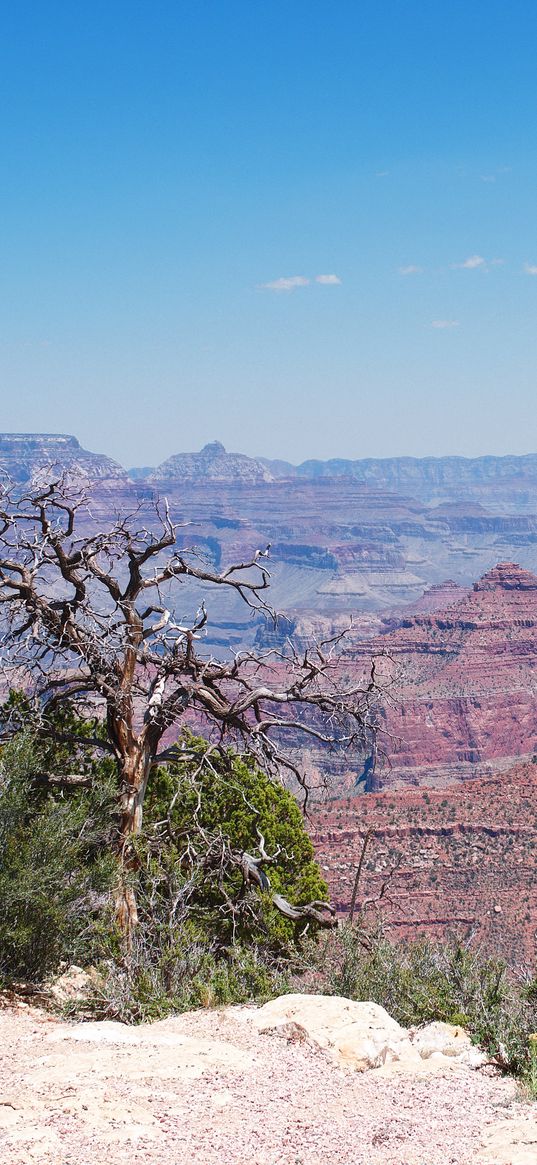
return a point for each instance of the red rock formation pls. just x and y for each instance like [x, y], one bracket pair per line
[464, 697]
[464, 858]
[436, 598]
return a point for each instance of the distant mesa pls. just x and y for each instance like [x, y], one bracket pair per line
[212, 463]
[24, 456]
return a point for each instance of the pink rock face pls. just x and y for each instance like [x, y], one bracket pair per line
[454, 861]
[462, 701]
[457, 858]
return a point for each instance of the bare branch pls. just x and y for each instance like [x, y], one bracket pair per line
[87, 619]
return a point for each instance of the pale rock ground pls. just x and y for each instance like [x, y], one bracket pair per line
[287, 1084]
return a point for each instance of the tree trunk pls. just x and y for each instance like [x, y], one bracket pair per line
[134, 769]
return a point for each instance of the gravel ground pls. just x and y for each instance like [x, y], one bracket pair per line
[262, 1101]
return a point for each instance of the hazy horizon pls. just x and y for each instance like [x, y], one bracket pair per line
[256, 455]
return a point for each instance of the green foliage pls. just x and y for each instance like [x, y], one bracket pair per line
[204, 936]
[55, 866]
[181, 974]
[55, 746]
[227, 799]
[421, 981]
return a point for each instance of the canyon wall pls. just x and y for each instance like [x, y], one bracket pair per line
[459, 861]
[462, 702]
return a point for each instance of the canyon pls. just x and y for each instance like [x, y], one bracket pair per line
[361, 538]
[434, 562]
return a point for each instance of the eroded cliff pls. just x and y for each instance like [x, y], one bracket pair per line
[454, 861]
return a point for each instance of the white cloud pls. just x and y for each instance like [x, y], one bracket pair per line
[329, 280]
[472, 263]
[285, 283]
[494, 174]
[445, 323]
[497, 262]
[530, 268]
[411, 269]
[382, 173]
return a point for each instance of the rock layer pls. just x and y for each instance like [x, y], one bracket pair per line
[23, 456]
[463, 702]
[454, 861]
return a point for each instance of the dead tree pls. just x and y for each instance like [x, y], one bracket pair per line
[213, 862]
[252, 871]
[87, 621]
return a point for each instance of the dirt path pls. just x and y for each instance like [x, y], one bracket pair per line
[207, 1089]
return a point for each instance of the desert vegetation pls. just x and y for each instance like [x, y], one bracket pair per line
[205, 936]
[421, 980]
[206, 932]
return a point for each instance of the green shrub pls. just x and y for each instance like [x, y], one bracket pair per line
[220, 807]
[421, 981]
[54, 870]
[205, 936]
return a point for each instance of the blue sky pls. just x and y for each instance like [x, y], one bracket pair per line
[168, 168]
